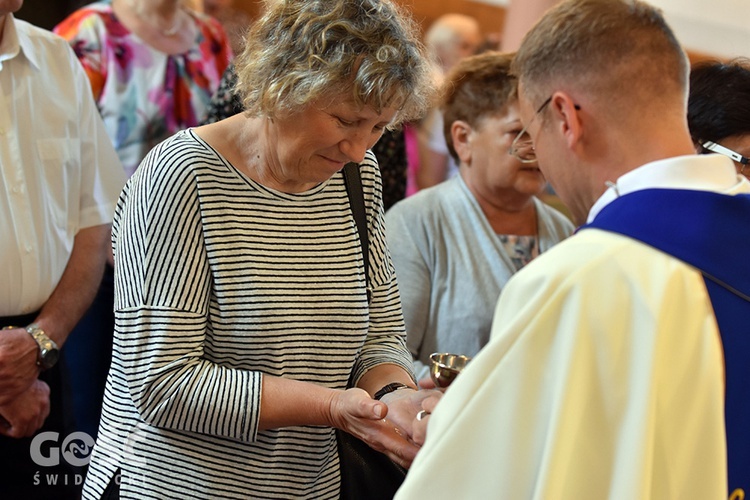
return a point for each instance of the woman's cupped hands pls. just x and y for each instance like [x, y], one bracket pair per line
[389, 426]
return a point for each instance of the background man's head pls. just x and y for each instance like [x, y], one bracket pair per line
[453, 37]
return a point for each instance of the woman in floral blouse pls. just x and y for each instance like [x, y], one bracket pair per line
[153, 67]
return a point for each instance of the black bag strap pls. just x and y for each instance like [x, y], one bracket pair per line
[366, 474]
[353, 182]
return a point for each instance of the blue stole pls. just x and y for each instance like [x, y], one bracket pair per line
[705, 230]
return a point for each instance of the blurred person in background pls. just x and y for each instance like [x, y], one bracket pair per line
[60, 180]
[455, 245]
[449, 39]
[719, 109]
[153, 66]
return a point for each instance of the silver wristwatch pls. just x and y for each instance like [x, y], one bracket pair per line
[48, 351]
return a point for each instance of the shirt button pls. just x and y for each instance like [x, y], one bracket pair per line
[29, 248]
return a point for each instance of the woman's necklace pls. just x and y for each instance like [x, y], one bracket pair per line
[168, 32]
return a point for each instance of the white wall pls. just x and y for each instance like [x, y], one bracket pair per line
[714, 27]
[719, 27]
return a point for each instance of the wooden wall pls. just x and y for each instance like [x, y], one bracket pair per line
[45, 13]
[490, 17]
[252, 7]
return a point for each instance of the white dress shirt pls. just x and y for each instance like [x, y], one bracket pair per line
[58, 170]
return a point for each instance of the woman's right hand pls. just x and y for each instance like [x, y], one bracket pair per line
[355, 412]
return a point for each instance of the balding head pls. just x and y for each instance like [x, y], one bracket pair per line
[614, 80]
[452, 37]
[621, 51]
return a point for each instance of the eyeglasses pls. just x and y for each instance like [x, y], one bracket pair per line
[522, 147]
[734, 155]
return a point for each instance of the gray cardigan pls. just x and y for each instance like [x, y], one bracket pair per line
[451, 266]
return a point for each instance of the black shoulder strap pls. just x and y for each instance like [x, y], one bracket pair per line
[353, 183]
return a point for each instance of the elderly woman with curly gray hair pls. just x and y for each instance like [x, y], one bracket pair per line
[246, 331]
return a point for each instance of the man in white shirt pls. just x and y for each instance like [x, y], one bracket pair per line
[451, 38]
[605, 373]
[60, 179]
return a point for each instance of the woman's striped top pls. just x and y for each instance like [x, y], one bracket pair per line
[220, 280]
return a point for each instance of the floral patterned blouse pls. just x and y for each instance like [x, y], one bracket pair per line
[144, 95]
[520, 249]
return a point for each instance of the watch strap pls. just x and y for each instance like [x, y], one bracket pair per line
[47, 356]
[389, 388]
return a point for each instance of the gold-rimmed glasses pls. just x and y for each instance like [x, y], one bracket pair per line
[522, 147]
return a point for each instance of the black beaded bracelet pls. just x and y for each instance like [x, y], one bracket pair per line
[388, 388]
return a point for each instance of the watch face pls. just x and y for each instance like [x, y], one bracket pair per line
[48, 351]
[49, 356]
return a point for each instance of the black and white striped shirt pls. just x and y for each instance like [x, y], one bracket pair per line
[220, 280]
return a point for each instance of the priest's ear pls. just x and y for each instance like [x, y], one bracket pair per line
[567, 112]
